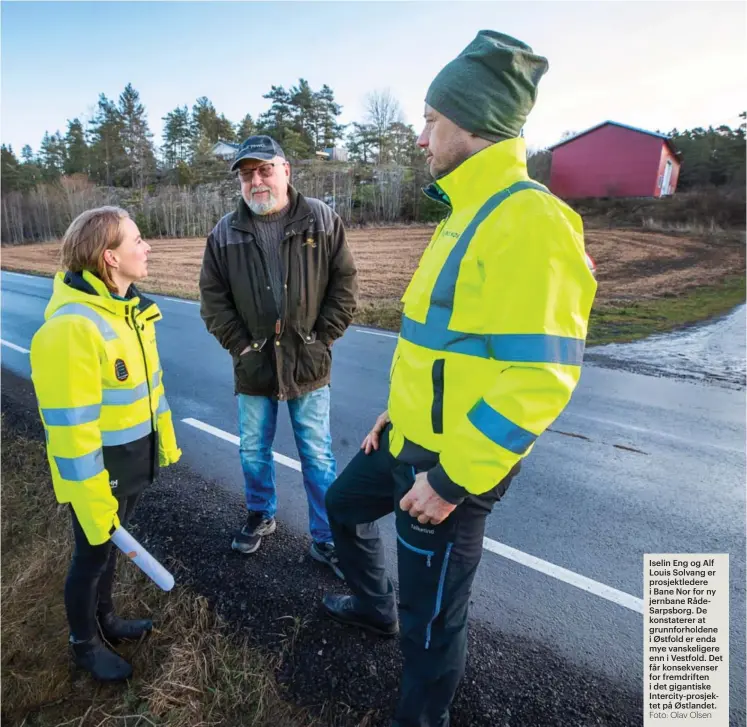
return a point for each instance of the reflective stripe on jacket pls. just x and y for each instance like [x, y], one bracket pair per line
[494, 325]
[98, 382]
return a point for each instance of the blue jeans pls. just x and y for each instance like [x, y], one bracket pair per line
[309, 414]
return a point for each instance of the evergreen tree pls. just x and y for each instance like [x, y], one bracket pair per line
[136, 137]
[246, 129]
[331, 131]
[107, 156]
[177, 136]
[76, 157]
[362, 143]
[9, 169]
[225, 130]
[52, 156]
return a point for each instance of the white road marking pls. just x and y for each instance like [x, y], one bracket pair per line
[376, 333]
[233, 439]
[179, 300]
[570, 412]
[530, 561]
[563, 574]
[14, 347]
[23, 275]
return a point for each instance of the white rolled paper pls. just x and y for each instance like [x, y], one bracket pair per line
[142, 559]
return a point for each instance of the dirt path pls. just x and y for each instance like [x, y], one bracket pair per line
[632, 264]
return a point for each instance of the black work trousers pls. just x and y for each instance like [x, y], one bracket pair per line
[88, 588]
[436, 567]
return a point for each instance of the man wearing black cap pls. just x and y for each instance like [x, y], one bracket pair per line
[277, 287]
[489, 352]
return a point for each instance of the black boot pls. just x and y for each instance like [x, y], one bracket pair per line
[103, 664]
[344, 609]
[115, 629]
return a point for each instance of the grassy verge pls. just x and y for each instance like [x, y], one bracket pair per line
[611, 321]
[617, 322]
[192, 670]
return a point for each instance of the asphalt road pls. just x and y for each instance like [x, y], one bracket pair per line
[636, 464]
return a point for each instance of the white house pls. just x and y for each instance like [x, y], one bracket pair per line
[224, 150]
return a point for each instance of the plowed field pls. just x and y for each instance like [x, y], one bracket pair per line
[632, 265]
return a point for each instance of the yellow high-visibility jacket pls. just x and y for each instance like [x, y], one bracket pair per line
[98, 382]
[494, 325]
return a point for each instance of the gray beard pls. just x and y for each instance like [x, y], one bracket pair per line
[261, 208]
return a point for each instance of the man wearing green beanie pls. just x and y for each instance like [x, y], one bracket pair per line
[489, 353]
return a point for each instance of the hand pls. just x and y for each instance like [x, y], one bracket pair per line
[424, 503]
[371, 441]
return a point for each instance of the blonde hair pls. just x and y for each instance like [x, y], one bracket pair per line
[89, 236]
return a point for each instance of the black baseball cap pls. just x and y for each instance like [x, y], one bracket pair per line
[262, 147]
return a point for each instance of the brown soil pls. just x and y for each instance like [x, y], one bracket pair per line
[631, 264]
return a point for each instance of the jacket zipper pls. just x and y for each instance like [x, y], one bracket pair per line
[437, 408]
[279, 323]
[153, 426]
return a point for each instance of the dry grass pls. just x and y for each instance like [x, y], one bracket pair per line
[192, 671]
[682, 228]
[633, 265]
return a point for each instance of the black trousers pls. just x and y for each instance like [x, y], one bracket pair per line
[436, 568]
[88, 588]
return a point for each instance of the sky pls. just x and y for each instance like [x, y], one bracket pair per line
[654, 65]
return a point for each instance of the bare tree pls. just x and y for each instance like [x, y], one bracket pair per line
[383, 110]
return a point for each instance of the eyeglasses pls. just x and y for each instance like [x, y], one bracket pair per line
[265, 171]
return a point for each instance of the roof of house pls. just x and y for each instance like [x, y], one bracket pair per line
[664, 137]
[225, 143]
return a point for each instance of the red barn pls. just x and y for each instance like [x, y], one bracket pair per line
[614, 160]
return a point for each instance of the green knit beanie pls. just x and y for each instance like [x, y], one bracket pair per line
[490, 87]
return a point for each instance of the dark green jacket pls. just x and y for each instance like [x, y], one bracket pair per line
[290, 349]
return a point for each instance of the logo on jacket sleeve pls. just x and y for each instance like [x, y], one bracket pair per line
[120, 370]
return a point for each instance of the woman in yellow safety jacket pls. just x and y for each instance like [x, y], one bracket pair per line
[98, 382]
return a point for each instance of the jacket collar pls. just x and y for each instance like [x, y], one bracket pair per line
[476, 179]
[299, 210]
[86, 287]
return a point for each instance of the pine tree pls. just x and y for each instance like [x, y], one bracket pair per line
[246, 129]
[177, 136]
[76, 157]
[206, 167]
[204, 122]
[328, 112]
[31, 173]
[9, 169]
[108, 159]
[304, 114]
[362, 143]
[52, 156]
[225, 130]
[136, 137]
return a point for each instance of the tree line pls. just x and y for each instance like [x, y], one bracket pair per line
[114, 157]
[117, 149]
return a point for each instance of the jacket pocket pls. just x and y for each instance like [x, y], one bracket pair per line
[254, 370]
[313, 358]
[437, 409]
